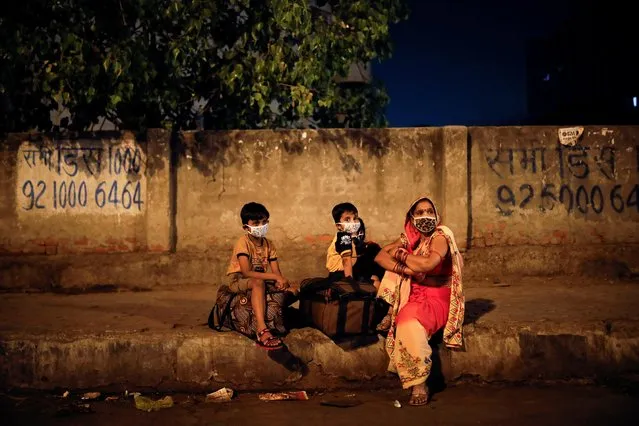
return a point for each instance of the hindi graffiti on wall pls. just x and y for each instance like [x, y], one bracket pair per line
[80, 177]
[585, 179]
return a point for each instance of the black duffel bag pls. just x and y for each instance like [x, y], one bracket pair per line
[340, 307]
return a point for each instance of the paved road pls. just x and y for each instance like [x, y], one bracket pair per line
[561, 405]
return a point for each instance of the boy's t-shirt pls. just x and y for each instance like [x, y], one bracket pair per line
[336, 250]
[259, 255]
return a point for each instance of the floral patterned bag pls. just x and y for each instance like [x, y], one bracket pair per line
[233, 311]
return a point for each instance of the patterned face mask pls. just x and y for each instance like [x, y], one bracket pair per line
[258, 231]
[425, 224]
[350, 227]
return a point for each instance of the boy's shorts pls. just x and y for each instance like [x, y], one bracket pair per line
[238, 284]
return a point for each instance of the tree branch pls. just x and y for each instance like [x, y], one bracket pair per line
[122, 13]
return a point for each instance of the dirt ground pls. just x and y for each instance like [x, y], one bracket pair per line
[538, 303]
[463, 404]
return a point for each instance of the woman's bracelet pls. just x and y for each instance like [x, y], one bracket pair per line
[401, 255]
[403, 269]
[399, 268]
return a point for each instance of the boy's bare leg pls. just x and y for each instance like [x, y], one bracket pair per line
[258, 302]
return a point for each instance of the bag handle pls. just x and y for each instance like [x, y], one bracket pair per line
[215, 313]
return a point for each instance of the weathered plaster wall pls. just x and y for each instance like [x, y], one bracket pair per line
[525, 203]
[528, 188]
[105, 193]
[300, 175]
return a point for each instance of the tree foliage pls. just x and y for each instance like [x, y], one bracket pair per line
[163, 63]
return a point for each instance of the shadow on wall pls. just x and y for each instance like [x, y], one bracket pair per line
[475, 309]
[608, 268]
[154, 163]
[209, 151]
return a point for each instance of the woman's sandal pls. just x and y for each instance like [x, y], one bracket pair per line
[418, 399]
[271, 342]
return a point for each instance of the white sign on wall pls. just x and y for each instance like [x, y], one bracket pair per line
[570, 135]
[80, 177]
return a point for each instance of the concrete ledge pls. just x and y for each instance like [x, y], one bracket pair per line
[184, 361]
[535, 328]
[200, 361]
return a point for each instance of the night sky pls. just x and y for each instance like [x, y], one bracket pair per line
[463, 62]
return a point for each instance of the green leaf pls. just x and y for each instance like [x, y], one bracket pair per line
[152, 63]
[260, 101]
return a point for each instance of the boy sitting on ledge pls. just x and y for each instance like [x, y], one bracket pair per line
[253, 262]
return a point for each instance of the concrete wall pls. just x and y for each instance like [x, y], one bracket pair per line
[503, 191]
[300, 175]
[92, 194]
[530, 189]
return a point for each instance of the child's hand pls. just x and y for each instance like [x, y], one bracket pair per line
[282, 283]
[359, 241]
[343, 242]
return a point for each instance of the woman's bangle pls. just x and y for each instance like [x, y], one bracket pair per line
[399, 268]
[401, 255]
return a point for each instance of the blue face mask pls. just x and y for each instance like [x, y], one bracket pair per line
[258, 231]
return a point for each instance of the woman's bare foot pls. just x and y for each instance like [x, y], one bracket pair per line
[419, 395]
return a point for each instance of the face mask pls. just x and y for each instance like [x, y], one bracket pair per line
[425, 224]
[258, 231]
[350, 227]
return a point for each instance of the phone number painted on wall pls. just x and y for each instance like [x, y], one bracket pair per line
[73, 194]
[81, 177]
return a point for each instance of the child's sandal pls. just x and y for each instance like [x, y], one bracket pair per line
[271, 342]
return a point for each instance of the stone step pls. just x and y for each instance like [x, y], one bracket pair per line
[204, 361]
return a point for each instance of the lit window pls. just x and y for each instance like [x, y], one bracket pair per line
[634, 101]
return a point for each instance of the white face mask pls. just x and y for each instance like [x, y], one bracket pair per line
[350, 227]
[258, 231]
